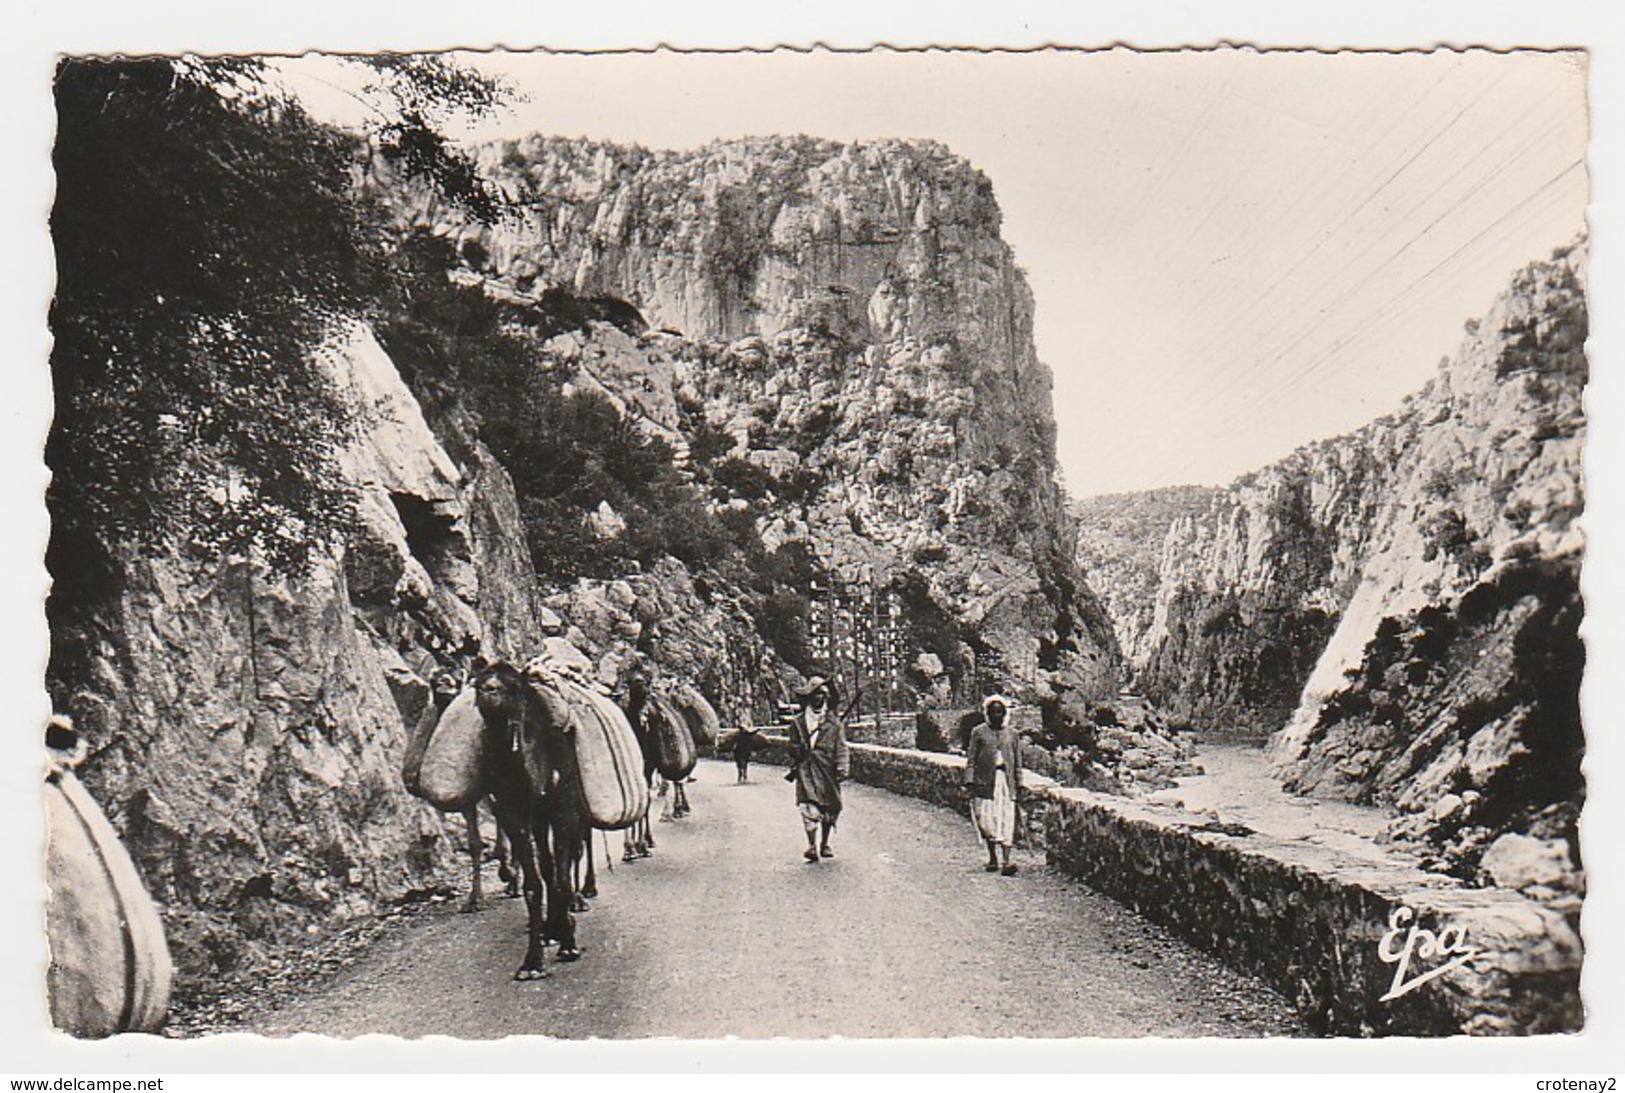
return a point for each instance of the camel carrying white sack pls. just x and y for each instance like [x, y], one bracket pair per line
[110, 967]
[609, 759]
[703, 723]
[450, 776]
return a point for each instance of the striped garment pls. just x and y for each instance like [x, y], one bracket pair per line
[815, 815]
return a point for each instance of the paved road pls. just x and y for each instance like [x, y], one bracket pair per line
[726, 931]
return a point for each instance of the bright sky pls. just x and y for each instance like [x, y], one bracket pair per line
[1232, 252]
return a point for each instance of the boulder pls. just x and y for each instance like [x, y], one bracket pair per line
[1519, 862]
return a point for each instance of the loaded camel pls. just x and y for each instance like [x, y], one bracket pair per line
[640, 840]
[675, 753]
[531, 772]
[460, 799]
[668, 750]
[608, 758]
[559, 760]
[685, 711]
[701, 717]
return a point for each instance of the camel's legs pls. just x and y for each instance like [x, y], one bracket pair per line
[556, 861]
[646, 833]
[505, 870]
[590, 889]
[476, 847]
[582, 848]
[517, 823]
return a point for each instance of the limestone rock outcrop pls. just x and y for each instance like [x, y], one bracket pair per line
[1120, 541]
[1401, 605]
[1250, 589]
[247, 728]
[690, 629]
[849, 317]
[1455, 667]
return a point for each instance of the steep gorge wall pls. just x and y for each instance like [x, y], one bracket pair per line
[1250, 590]
[1402, 603]
[1120, 541]
[847, 314]
[247, 729]
[1450, 688]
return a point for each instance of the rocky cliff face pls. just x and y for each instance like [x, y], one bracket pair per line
[1120, 541]
[1249, 590]
[1402, 603]
[849, 318]
[248, 729]
[1450, 688]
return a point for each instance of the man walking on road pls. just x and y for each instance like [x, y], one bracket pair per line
[819, 764]
[745, 741]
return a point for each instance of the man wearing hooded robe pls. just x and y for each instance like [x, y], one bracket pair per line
[820, 763]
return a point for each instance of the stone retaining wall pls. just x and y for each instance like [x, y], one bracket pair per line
[1309, 920]
[1312, 921]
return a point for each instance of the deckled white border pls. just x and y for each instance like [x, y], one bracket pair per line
[45, 28]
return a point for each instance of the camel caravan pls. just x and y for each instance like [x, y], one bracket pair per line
[544, 747]
[555, 757]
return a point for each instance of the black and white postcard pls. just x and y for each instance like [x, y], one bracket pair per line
[1053, 544]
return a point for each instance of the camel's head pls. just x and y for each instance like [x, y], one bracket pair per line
[639, 682]
[499, 689]
[516, 718]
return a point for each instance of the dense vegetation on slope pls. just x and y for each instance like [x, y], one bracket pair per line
[478, 364]
[205, 246]
[203, 265]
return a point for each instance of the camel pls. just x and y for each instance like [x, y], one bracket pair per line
[701, 717]
[443, 688]
[675, 753]
[640, 839]
[608, 759]
[535, 786]
[704, 726]
[667, 743]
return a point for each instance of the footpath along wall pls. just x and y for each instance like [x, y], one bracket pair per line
[1312, 921]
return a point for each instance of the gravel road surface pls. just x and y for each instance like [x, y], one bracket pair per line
[726, 931]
